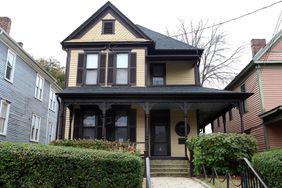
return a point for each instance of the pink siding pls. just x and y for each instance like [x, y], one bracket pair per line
[274, 134]
[272, 86]
[251, 119]
[275, 53]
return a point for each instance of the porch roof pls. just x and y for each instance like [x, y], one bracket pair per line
[180, 90]
[272, 115]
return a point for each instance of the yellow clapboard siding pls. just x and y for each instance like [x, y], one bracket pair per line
[176, 115]
[179, 73]
[73, 67]
[121, 32]
[140, 129]
[67, 124]
[140, 66]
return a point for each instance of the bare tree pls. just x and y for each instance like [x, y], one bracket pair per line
[218, 60]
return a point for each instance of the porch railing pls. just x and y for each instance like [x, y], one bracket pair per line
[249, 178]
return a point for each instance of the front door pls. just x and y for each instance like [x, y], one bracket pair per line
[160, 134]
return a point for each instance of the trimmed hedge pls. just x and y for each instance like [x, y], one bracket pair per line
[97, 145]
[221, 151]
[269, 165]
[32, 165]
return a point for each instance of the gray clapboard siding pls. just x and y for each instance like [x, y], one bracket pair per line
[23, 103]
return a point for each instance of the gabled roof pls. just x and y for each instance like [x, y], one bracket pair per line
[254, 60]
[11, 43]
[108, 6]
[163, 42]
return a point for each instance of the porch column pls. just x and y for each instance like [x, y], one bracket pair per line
[224, 122]
[185, 109]
[147, 122]
[103, 107]
[241, 112]
[70, 121]
[212, 126]
[61, 122]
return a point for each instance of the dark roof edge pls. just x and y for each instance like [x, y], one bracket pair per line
[269, 112]
[97, 13]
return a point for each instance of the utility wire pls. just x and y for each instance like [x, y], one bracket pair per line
[230, 20]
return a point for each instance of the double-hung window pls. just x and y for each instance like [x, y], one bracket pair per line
[121, 127]
[4, 115]
[35, 128]
[10, 66]
[158, 74]
[52, 100]
[39, 85]
[91, 69]
[122, 69]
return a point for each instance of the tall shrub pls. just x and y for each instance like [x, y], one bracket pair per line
[221, 151]
[32, 165]
[269, 165]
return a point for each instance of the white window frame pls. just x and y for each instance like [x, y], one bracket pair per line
[52, 100]
[36, 127]
[7, 115]
[122, 67]
[13, 66]
[38, 88]
[91, 68]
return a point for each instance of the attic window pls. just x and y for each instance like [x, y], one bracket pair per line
[108, 27]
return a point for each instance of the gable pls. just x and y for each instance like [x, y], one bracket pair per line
[272, 52]
[91, 30]
[122, 31]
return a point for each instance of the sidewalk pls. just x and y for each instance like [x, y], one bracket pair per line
[174, 182]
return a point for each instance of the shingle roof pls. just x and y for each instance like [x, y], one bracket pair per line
[163, 42]
[190, 89]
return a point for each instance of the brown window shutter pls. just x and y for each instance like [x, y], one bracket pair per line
[132, 69]
[111, 68]
[80, 68]
[102, 68]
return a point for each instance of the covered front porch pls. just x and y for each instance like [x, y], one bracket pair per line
[151, 118]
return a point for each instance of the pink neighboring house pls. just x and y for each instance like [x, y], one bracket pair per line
[263, 110]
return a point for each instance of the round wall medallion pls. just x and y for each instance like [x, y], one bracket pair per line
[180, 129]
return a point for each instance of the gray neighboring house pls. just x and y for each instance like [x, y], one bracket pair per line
[28, 105]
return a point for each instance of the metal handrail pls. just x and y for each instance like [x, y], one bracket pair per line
[261, 183]
[148, 173]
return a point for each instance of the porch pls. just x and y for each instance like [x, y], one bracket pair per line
[152, 118]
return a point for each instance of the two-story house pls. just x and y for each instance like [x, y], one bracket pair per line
[262, 111]
[28, 105]
[125, 82]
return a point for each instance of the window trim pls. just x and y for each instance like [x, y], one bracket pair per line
[53, 100]
[85, 68]
[13, 68]
[40, 98]
[113, 26]
[128, 68]
[4, 133]
[245, 102]
[39, 126]
[151, 73]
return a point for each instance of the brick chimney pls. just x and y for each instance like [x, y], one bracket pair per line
[5, 23]
[256, 45]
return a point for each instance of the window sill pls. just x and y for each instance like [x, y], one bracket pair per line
[3, 134]
[34, 141]
[10, 81]
[41, 100]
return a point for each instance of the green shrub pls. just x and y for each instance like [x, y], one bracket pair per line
[269, 165]
[32, 165]
[221, 151]
[97, 145]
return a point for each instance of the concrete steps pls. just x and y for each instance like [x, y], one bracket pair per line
[169, 168]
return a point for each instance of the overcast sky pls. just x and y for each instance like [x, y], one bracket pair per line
[42, 24]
